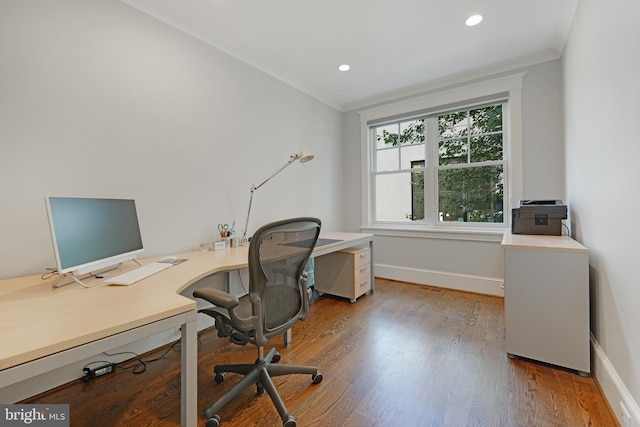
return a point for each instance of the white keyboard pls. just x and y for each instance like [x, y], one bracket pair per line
[132, 276]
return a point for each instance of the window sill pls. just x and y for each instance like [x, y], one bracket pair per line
[451, 233]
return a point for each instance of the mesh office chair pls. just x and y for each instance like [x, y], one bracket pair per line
[277, 299]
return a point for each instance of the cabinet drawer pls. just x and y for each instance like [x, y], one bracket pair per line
[362, 257]
[361, 287]
[362, 273]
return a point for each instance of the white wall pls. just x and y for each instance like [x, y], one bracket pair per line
[462, 263]
[100, 100]
[602, 97]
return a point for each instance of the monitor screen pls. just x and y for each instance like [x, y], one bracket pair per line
[92, 234]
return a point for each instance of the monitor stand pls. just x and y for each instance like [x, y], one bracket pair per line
[73, 278]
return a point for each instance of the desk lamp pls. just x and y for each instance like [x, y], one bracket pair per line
[304, 156]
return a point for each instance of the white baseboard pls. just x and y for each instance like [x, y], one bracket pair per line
[442, 279]
[612, 385]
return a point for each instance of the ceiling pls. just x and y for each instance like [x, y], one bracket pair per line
[393, 46]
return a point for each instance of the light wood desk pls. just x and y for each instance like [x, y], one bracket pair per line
[44, 328]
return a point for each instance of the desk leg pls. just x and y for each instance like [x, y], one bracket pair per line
[373, 277]
[189, 372]
[227, 281]
[287, 338]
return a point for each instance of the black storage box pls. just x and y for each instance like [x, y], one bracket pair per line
[538, 217]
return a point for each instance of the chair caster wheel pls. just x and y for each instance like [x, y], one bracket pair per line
[291, 422]
[317, 378]
[213, 421]
[276, 358]
[220, 378]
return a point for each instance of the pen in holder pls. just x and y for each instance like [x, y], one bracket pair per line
[227, 234]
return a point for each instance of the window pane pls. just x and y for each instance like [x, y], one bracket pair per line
[453, 151]
[411, 154]
[394, 196]
[387, 136]
[485, 120]
[387, 160]
[417, 192]
[453, 125]
[486, 147]
[412, 132]
[471, 194]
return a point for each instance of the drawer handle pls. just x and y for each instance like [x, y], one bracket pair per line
[364, 283]
[363, 269]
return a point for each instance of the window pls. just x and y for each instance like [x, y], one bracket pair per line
[470, 170]
[441, 167]
[446, 163]
[399, 164]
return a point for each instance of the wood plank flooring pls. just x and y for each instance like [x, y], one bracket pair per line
[405, 355]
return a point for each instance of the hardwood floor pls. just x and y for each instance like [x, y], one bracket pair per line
[406, 355]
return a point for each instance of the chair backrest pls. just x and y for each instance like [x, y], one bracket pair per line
[278, 254]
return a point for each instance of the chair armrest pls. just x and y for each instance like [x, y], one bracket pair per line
[217, 297]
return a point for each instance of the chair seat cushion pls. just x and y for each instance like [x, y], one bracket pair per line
[226, 327]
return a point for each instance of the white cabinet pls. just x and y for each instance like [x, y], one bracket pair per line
[346, 273]
[547, 300]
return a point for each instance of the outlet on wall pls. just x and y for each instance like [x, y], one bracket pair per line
[625, 416]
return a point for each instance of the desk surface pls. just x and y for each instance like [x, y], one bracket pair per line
[542, 242]
[38, 320]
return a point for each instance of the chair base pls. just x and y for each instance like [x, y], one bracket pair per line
[260, 374]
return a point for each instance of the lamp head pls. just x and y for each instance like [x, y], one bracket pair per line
[304, 156]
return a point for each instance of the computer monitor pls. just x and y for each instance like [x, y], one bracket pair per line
[90, 235]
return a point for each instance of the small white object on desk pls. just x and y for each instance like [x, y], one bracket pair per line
[218, 246]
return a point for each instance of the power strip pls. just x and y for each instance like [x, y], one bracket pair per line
[90, 373]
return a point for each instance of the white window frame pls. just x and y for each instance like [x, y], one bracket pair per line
[507, 88]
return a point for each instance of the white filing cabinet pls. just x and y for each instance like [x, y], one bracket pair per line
[346, 273]
[547, 300]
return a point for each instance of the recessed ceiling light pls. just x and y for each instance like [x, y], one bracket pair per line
[473, 20]
[344, 67]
